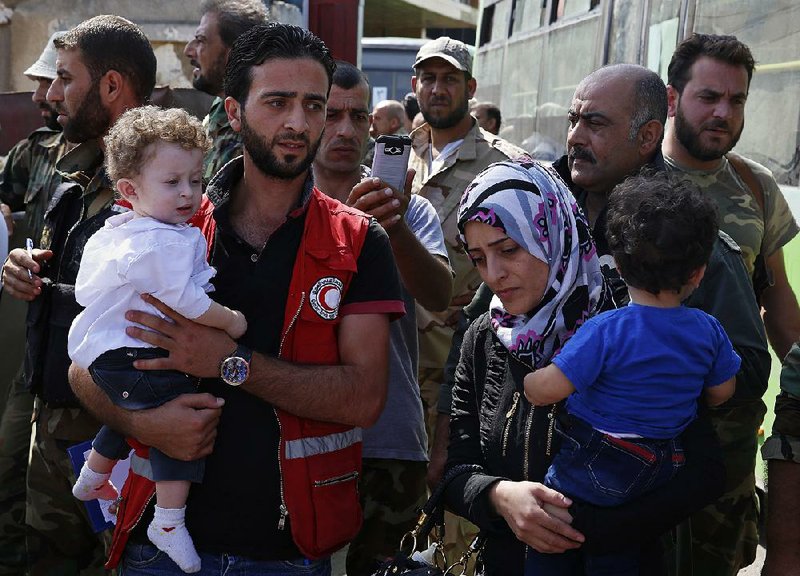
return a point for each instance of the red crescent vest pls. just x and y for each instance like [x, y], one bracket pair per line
[319, 461]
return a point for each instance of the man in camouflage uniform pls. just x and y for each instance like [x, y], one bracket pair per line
[89, 95]
[222, 22]
[392, 483]
[27, 182]
[449, 150]
[782, 450]
[709, 78]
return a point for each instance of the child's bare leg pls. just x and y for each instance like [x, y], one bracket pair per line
[99, 463]
[93, 482]
[168, 529]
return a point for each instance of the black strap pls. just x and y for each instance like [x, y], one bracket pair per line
[433, 510]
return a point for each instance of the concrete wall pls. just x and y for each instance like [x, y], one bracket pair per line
[169, 24]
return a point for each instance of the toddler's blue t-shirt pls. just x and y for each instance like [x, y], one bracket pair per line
[640, 369]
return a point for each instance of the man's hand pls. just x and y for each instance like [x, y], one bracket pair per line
[193, 348]
[441, 438]
[527, 508]
[184, 428]
[5, 210]
[16, 279]
[377, 199]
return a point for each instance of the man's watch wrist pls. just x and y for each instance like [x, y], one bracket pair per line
[235, 368]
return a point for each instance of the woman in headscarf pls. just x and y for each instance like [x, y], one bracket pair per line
[533, 249]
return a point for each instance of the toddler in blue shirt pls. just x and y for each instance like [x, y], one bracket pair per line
[632, 376]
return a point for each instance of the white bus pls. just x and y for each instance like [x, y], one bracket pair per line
[531, 54]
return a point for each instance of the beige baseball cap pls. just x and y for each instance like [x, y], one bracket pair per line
[453, 51]
[45, 66]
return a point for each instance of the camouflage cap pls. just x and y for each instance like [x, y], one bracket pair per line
[45, 66]
[453, 51]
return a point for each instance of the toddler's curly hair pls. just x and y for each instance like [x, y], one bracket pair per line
[128, 141]
[660, 230]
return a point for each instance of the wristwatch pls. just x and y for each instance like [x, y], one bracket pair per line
[235, 368]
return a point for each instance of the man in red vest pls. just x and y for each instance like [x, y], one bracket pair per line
[318, 285]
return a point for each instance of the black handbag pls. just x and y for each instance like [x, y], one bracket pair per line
[432, 561]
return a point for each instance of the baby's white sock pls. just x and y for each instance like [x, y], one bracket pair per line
[92, 485]
[169, 534]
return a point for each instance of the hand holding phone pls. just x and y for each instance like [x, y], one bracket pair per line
[390, 161]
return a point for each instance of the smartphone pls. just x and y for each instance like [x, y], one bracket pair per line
[390, 162]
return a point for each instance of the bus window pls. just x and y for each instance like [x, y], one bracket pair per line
[624, 46]
[528, 15]
[571, 55]
[662, 35]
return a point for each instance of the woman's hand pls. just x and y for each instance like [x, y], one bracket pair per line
[537, 515]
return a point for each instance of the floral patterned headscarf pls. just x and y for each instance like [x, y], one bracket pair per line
[531, 204]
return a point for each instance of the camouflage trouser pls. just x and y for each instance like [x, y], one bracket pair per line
[61, 539]
[782, 451]
[15, 442]
[392, 493]
[430, 379]
[784, 443]
[725, 533]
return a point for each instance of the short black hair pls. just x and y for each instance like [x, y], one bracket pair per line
[269, 42]
[728, 49]
[493, 111]
[660, 229]
[235, 17]
[347, 76]
[411, 105]
[108, 42]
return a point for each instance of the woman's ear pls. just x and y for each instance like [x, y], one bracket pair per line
[127, 189]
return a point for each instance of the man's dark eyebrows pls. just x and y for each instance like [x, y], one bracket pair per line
[317, 97]
[592, 116]
[278, 93]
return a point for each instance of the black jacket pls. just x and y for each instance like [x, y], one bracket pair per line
[492, 424]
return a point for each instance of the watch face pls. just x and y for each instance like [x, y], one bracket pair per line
[235, 370]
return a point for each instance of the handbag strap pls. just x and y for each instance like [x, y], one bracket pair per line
[432, 513]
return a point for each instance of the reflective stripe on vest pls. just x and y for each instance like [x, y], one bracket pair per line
[306, 447]
[141, 466]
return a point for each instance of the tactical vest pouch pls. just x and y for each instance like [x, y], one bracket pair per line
[55, 389]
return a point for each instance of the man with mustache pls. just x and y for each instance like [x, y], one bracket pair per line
[318, 285]
[27, 182]
[104, 66]
[222, 22]
[709, 79]
[392, 483]
[448, 151]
